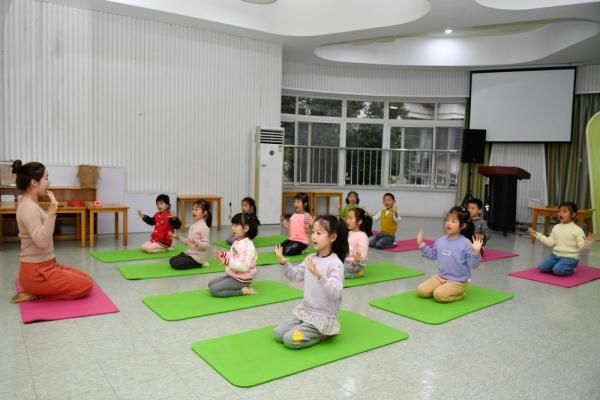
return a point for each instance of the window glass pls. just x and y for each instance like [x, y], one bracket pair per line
[421, 111]
[288, 104]
[448, 138]
[319, 107]
[363, 163]
[364, 109]
[451, 111]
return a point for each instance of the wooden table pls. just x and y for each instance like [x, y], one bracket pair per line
[286, 195]
[548, 212]
[327, 195]
[10, 208]
[184, 199]
[313, 197]
[110, 207]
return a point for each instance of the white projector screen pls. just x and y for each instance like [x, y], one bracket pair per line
[523, 105]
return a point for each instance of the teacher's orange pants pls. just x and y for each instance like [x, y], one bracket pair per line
[53, 281]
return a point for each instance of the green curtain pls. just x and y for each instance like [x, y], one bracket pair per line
[566, 163]
[477, 180]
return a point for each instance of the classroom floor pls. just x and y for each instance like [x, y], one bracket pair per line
[542, 344]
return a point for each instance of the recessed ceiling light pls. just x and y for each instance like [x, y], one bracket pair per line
[448, 31]
[260, 1]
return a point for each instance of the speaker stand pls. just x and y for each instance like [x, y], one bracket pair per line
[469, 195]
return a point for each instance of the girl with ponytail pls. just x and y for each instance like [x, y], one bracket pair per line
[316, 318]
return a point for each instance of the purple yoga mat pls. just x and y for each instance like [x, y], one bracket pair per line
[495, 254]
[408, 245]
[48, 310]
[583, 274]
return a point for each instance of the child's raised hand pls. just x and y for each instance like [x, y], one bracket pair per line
[220, 255]
[312, 219]
[192, 241]
[312, 267]
[339, 206]
[590, 236]
[420, 237]
[173, 235]
[140, 213]
[356, 255]
[531, 232]
[281, 217]
[279, 254]
[477, 244]
[173, 215]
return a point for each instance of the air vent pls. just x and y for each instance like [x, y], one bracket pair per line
[270, 135]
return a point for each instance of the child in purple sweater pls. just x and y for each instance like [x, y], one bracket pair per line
[316, 318]
[455, 256]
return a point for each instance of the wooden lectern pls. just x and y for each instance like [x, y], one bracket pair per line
[503, 196]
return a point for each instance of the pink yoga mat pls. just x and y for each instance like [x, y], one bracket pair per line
[408, 245]
[48, 310]
[495, 254]
[583, 274]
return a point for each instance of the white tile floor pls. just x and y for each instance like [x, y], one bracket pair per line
[541, 345]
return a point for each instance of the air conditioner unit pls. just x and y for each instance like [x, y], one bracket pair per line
[269, 174]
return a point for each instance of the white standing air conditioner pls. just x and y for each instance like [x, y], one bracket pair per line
[269, 174]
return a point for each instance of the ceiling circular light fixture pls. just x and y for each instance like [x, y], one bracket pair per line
[260, 1]
[448, 31]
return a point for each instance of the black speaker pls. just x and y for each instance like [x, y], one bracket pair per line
[473, 146]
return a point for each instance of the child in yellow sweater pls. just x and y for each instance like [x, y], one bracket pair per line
[568, 240]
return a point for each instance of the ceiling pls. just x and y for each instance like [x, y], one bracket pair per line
[395, 33]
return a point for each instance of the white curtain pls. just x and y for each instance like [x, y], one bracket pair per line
[531, 158]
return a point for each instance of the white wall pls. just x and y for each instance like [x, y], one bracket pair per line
[588, 79]
[361, 80]
[175, 107]
[112, 189]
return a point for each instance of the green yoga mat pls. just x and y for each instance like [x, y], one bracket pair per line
[430, 311]
[164, 270]
[381, 272]
[269, 258]
[112, 256]
[197, 303]
[259, 241]
[254, 357]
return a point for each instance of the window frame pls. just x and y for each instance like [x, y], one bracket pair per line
[388, 124]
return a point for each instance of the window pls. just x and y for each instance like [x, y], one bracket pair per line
[288, 152]
[454, 111]
[363, 165]
[365, 109]
[447, 163]
[423, 111]
[319, 163]
[314, 158]
[319, 107]
[288, 104]
[412, 164]
[423, 151]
